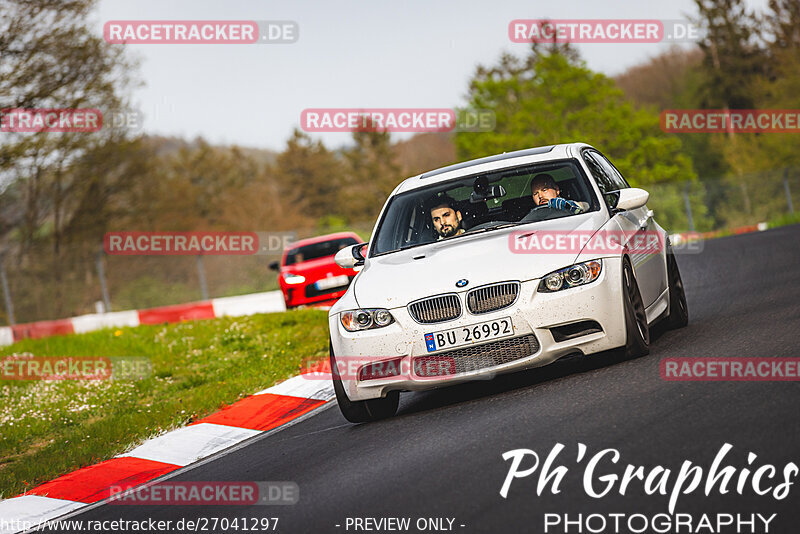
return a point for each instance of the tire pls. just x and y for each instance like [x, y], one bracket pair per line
[637, 331]
[678, 310]
[366, 410]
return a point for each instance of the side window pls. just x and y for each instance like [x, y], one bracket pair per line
[616, 176]
[601, 175]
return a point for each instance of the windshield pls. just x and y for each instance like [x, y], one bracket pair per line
[482, 203]
[317, 250]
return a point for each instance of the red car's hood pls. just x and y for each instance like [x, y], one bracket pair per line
[320, 267]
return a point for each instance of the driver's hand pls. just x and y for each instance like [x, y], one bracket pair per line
[563, 204]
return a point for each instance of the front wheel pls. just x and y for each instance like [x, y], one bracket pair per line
[366, 410]
[637, 330]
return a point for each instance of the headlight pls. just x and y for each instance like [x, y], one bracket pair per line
[574, 275]
[355, 320]
[383, 318]
[293, 279]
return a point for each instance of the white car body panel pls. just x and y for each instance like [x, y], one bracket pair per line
[395, 279]
[398, 278]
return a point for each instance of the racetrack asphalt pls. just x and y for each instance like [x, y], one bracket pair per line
[441, 456]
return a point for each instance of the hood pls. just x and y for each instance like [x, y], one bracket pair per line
[312, 265]
[395, 279]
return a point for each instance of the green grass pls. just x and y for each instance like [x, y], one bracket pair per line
[784, 220]
[49, 428]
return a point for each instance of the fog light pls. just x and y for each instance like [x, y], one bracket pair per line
[378, 370]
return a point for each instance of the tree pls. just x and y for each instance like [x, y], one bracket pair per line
[425, 151]
[672, 80]
[751, 62]
[733, 62]
[778, 89]
[310, 177]
[733, 54]
[551, 97]
[668, 80]
[50, 58]
[372, 174]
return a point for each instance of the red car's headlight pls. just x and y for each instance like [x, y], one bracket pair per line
[293, 279]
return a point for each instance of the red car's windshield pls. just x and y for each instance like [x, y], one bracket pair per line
[317, 250]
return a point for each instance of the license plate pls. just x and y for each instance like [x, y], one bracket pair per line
[467, 335]
[333, 281]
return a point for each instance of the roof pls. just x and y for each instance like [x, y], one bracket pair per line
[489, 159]
[490, 163]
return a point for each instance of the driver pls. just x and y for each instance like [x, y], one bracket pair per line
[545, 192]
[445, 217]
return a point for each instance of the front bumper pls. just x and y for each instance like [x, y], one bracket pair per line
[533, 314]
[306, 294]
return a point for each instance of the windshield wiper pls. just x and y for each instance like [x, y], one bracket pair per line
[495, 227]
[467, 233]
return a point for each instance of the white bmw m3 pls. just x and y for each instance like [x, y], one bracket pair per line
[495, 265]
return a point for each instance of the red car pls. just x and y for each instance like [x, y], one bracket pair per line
[307, 273]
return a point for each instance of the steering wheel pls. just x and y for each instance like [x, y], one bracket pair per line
[539, 213]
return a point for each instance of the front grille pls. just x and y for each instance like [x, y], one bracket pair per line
[492, 297]
[436, 309]
[476, 357]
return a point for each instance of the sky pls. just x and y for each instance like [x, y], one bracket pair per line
[349, 54]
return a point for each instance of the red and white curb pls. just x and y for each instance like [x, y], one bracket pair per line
[268, 302]
[257, 414]
[680, 237]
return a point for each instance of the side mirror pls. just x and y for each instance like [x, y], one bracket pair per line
[350, 257]
[275, 266]
[629, 199]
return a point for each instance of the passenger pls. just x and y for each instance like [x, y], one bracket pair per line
[545, 192]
